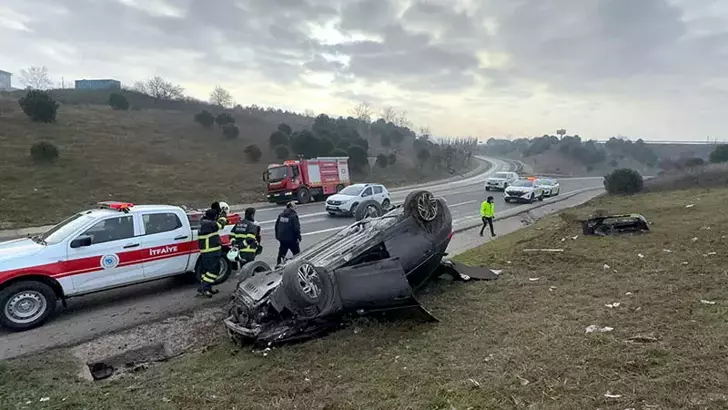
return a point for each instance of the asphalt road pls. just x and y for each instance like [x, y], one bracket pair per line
[89, 316]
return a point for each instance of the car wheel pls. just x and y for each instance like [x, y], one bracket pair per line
[422, 205]
[253, 268]
[305, 285]
[386, 204]
[304, 195]
[332, 214]
[505, 185]
[222, 275]
[557, 192]
[368, 209]
[487, 188]
[540, 198]
[26, 305]
[531, 199]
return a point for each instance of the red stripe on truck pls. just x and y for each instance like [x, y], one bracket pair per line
[89, 264]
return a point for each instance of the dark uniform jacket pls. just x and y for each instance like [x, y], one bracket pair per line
[208, 236]
[288, 228]
[246, 236]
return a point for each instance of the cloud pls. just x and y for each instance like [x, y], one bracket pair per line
[598, 67]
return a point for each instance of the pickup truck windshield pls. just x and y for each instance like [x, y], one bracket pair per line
[277, 174]
[61, 231]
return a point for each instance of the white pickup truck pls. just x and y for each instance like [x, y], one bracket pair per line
[115, 245]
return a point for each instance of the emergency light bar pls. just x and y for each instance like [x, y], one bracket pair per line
[117, 206]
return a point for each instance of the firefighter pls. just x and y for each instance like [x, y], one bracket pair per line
[246, 237]
[208, 240]
[288, 233]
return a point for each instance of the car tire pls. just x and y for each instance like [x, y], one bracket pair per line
[36, 301]
[531, 199]
[305, 285]
[508, 200]
[386, 204]
[540, 198]
[505, 186]
[487, 188]
[222, 275]
[252, 268]
[332, 214]
[304, 195]
[422, 205]
[368, 209]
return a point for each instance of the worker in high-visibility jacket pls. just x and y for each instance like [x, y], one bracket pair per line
[246, 237]
[208, 240]
[487, 213]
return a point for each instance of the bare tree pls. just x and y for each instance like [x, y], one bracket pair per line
[389, 114]
[425, 132]
[36, 78]
[159, 89]
[220, 96]
[363, 112]
[401, 120]
[309, 113]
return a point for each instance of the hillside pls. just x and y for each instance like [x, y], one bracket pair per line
[572, 156]
[156, 153]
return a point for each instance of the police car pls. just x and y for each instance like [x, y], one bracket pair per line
[523, 190]
[116, 244]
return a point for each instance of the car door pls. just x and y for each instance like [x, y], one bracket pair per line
[378, 193]
[166, 244]
[367, 194]
[113, 257]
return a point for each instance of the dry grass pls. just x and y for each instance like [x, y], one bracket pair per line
[709, 176]
[144, 156]
[510, 344]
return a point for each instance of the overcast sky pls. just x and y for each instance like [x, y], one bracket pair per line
[656, 69]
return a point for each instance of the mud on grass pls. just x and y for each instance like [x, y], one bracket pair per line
[515, 343]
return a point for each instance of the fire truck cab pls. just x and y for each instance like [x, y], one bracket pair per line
[306, 179]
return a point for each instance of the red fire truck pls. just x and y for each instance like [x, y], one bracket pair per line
[306, 179]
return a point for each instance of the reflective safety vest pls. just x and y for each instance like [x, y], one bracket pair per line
[487, 210]
[208, 236]
[245, 236]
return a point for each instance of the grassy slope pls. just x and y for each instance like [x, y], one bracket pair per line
[149, 155]
[514, 343]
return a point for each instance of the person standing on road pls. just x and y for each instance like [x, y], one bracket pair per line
[487, 213]
[208, 240]
[246, 237]
[288, 233]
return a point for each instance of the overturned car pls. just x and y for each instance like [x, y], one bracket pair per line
[604, 225]
[373, 265]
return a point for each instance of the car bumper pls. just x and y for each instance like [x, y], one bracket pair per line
[283, 196]
[338, 209]
[525, 197]
[495, 185]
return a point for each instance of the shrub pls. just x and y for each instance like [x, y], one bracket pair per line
[719, 155]
[391, 158]
[624, 181]
[118, 102]
[253, 152]
[382, 160]
[344, 144]
[282, 152]
[224, 119]
[694, 162]
[285, 128]
[39, 106]
[278, 138]
[326, 146]
[205, 118]
[338, 152]
[357, 157]
[230, 131]
[43, 152]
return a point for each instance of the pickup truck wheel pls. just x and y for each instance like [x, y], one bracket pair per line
[222, 275]
[304, 195]
[26, 305]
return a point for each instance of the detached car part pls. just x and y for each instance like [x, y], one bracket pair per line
[604, 225]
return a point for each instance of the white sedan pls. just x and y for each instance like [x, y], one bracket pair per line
[346, 201]
[550, 186]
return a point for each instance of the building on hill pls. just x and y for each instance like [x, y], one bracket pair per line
[5, 81]
[104, 84]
